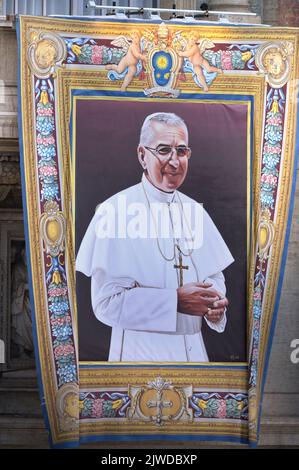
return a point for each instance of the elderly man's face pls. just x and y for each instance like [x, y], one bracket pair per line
[166, 174]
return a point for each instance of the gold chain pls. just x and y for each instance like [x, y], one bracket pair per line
[176, 245]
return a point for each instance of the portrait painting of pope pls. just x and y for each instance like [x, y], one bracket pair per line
[155, 257]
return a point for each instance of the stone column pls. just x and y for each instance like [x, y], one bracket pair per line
[229, 5]
[183, 4]
[289, 13]
[8, 82]
[240, 6]
[180, 4]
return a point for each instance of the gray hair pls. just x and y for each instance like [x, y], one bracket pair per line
[146, 133]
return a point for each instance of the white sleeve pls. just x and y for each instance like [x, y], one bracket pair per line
[218, 282]
[123, 303]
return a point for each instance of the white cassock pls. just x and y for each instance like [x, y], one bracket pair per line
[134, 289]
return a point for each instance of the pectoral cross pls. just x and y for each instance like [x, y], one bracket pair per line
[159, 404]
[180, 267]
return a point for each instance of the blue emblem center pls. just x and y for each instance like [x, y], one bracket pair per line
[162, 63]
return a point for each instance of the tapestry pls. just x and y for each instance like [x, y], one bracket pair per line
[158, 166]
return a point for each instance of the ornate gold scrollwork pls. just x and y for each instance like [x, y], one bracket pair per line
[266, 234]
[274, 60]
[45, 52]
[163, 63]
[67, 399]
[52, 227]
[160, 402]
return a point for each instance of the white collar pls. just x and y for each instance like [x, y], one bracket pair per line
[155, 193]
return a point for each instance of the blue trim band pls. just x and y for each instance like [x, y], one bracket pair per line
[160, 366]
[163, 437]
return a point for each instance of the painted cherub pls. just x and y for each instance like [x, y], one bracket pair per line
[193, 52]
[130, 60]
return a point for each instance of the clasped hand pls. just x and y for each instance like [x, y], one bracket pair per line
[200, 299]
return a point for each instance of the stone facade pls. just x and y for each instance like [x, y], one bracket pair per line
[281, 12]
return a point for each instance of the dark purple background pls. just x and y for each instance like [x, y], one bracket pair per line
[106, 162]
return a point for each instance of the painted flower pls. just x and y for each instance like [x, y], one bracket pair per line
[49, 180]
[266, 187]
[57, 292]
[274, 137]
[255, 353]
[211, 409]
[58, 314]
[62, 332]
[234, 408]
[86, 407]
[62, 342]
[221, 409]
[256, 333]
[257, 311]
[45, 140]
[239, 60]
[256, 323]
[50, 192]
[257, 294]
[226, 60]
[271, 160]
[44, 112]
[85, 54]
[252, 380]
[65, 320]
[67, 373]
[214, 58]
[269, 179]
[267, 200]
[96, 55]
[58, 350]
[45, 125]
[59, 306]
[63, 350]
[47, 171]
[274, 121]
[273, 149]
[46, 161]
[69, 349]
[61, 301]
[46, 151]
[254, 365]
[97, 408]
[108, 411]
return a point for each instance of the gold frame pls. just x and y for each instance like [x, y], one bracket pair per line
[63, 419]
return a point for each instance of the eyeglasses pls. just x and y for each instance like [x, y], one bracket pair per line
[165, 151]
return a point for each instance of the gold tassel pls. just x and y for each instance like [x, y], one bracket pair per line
[56, 277]
[44, 98]
[274, 108]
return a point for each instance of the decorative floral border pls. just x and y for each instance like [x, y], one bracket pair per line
[56, 280]
[271, 159]
[220, 405]
[95, 51]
